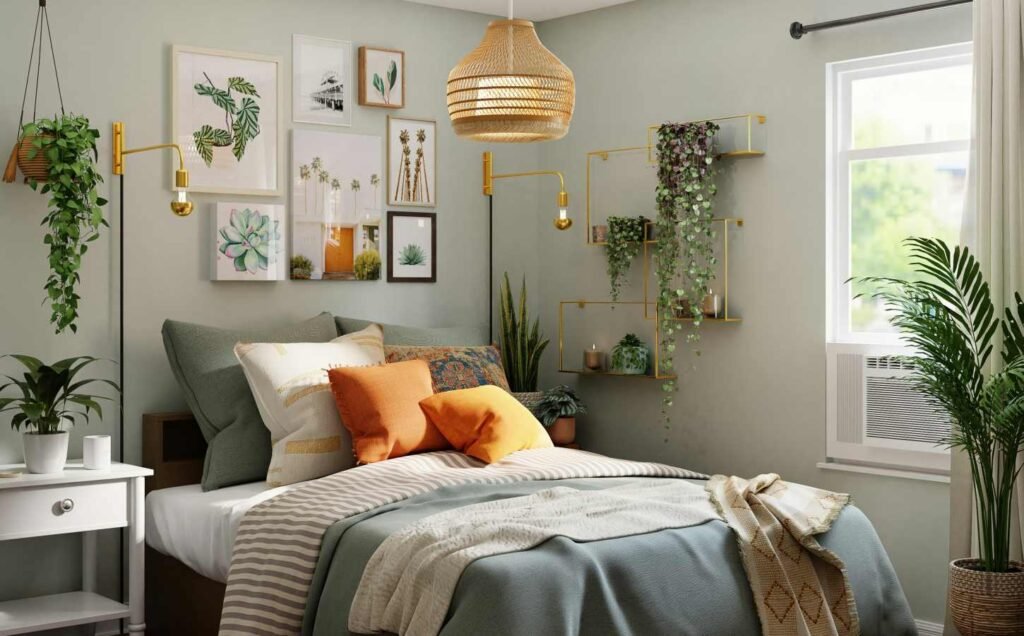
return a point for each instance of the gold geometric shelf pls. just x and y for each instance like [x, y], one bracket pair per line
[582, 304]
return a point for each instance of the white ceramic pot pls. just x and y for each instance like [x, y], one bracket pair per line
[45, 454]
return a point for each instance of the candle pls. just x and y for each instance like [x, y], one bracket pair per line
[592, 358]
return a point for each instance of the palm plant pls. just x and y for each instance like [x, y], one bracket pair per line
[521, 343]
[50, 395]
[305, 175]
[375, 182]
[335, 188]
[355, 187]
[949, 318]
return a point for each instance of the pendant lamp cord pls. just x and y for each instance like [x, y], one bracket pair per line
[511, 12]
[36, 55]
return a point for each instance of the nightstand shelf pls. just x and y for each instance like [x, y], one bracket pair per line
[28, 615]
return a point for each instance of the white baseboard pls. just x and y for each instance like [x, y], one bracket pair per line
[924, 628]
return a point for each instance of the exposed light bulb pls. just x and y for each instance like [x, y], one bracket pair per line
[182, 196]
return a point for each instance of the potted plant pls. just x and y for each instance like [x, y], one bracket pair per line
[948, 317]
[631, 356]
[302, 267]
[49, 399]
[557, 411]
[624, 241]
[367, 265]
[67, 144]
[521, 343]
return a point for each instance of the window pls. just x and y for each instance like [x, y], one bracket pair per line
[898, 142]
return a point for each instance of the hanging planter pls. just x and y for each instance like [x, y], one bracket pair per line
[32, 160]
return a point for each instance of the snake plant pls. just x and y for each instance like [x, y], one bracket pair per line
[521, 343]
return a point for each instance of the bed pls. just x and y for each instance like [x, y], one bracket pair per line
[680, 581]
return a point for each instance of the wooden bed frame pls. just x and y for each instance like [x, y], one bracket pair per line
[178, 599]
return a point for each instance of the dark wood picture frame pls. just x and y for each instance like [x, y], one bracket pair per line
[364, 97]
[432, 217]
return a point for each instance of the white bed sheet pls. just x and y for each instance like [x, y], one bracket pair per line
[198, 528]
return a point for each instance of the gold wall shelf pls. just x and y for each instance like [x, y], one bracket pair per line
[748, 141]
[654, 374]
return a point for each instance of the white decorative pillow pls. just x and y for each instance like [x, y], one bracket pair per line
[289, 383]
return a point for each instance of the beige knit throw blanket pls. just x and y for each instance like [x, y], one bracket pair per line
[800, 588]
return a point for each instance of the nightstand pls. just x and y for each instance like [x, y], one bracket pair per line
[76, 501]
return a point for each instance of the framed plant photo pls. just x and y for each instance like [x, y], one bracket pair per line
[226, 116]
[249, 242]
[322, 91]
[412, 247]
[381, 77]
[412, 158]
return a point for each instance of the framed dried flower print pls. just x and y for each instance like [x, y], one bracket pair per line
[381, 77]
[412, 161]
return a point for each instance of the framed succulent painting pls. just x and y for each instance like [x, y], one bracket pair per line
[412, 247]
[412, 159]
[226, 116]
[381, 77]
[249, 242]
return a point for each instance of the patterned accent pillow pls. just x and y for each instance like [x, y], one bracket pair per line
[455, 368]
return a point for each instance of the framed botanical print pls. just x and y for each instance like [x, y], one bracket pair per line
[226, 116]
[322, 87]
[412, 159]
[381, 77]
[412, 247]
[249, 242]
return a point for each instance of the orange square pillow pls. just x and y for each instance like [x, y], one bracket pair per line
[380, 408]
[485, 422]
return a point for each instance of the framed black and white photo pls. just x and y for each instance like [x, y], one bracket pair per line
[225, 115]
[412, 247]
[412, 159]
[322, 88]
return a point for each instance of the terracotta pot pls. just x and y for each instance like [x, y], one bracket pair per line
[986, 603]
[563, 431]
[38, 167]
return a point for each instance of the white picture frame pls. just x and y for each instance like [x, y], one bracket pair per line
[250, 242]
[321, 70]
[336, 204]
[411, 184]
[209, 135]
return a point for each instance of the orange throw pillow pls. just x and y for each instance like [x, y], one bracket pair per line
[485, 422]
[380, 408]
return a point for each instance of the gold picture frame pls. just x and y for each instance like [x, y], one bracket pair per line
[412, 175]
[378, 57]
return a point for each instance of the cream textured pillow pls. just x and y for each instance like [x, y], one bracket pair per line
[290, 385]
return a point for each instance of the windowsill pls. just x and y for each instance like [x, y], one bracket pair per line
[884, 472]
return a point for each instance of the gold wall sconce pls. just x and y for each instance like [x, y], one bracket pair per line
[562, 222]
[181, 206]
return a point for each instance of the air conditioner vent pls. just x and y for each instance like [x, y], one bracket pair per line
[892, 363]
[896, 410]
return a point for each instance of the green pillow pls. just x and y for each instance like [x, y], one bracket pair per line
[420, 336]
[215, 388]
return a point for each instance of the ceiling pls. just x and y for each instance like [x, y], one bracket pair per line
[536, 10]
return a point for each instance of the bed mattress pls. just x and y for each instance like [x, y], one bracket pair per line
[198, 528]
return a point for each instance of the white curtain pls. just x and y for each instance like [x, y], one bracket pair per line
[994, 223]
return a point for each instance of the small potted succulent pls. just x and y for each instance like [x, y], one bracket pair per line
[302, 267]
[49, 400]
[631, 356]
[557, 411]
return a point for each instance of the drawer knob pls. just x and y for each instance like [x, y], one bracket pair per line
[67, 505]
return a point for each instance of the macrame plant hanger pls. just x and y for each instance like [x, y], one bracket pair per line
[36, 166]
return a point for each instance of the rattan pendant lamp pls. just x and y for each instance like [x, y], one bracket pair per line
[511, 88]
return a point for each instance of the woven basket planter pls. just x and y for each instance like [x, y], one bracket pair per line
[986, 603]
[529, 399]
[38, 167]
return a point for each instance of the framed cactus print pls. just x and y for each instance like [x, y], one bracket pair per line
[226, 109]
[412, 247]
[412, 159]
[381, 77]
[249, 242]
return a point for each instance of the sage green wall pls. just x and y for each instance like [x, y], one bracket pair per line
[755, 401]
[114, 58]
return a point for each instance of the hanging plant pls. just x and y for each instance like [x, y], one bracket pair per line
[75, 213]
[625, 238]
[684, 254]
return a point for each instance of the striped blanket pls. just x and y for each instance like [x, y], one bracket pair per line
[278, 542]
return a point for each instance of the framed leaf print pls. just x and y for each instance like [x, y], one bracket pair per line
[412, 158]
[322, 88]
[226, 116]
[381, 77]
[412, 247]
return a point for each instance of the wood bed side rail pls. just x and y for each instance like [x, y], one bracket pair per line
[173, 446]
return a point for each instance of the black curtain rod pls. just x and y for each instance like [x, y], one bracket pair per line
[797, 29]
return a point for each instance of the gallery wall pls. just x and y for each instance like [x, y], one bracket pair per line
[115, 63]
[754, 401]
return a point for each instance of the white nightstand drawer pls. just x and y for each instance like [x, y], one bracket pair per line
[44, 510]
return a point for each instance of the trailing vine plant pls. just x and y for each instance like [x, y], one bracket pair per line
[684, 255]
[625, 238]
